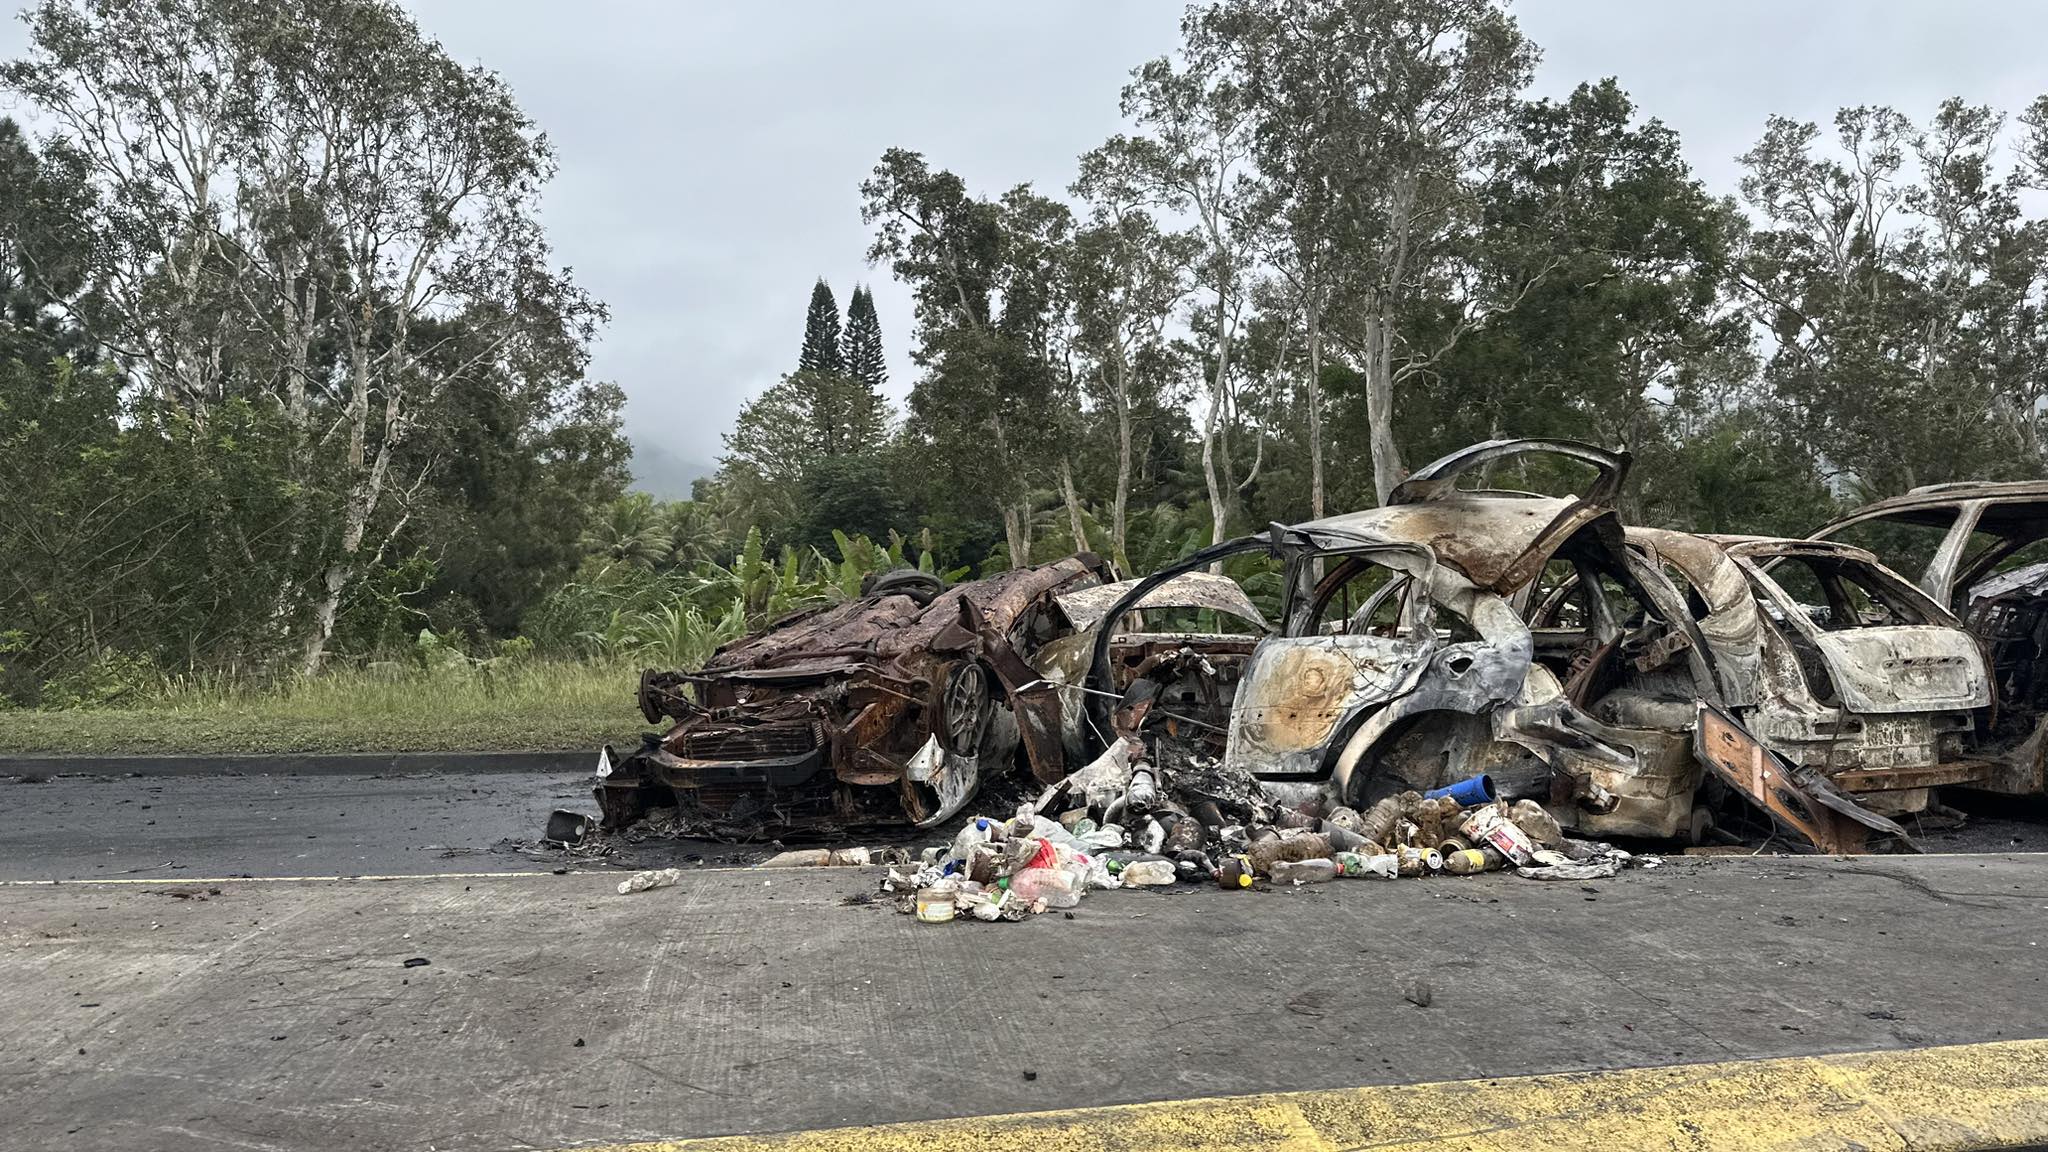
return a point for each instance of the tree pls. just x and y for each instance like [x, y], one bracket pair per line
[863, 354]
[822, 411]
[629, 530]
[1376, 116]
[981, 273]
[1622, 262]
[1195, 158]
[286, 198]
[1126, 280]
[1900, 280]
[821, 352]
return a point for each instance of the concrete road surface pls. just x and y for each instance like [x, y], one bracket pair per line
[87, 827]
[552, 1012]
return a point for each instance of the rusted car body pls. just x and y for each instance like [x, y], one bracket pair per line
[1833, 661]
[897, 706]
[886, 708]
[1966, 534]
[1406, 659]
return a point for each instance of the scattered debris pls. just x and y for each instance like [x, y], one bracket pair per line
[821, 858]
[655, 878]
[1010, 869]
[567, 828]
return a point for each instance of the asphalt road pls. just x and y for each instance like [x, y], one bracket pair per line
[545, 1011]
[97, 827]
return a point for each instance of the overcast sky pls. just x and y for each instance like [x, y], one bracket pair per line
[711, 152]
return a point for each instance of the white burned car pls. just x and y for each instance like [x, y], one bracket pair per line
[1461, 630]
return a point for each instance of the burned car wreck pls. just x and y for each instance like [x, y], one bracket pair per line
[1460, 632]
[879, 709]
[1975, 549]
[896, 706]
[1834, 661]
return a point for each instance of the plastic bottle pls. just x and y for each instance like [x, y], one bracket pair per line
[642, 881]
[1536, 823]
[1378, 822]
[1465, 862]
[1304, 871]
[1147, 873]
[1055, 886]
[1384, 865]
[980, 830]
[1266, 853]
[1343, 839]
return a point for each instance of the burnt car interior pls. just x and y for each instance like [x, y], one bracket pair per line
[1835, 595]
[1614, 653]
[1176, 667]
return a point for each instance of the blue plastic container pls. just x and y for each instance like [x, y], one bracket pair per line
[1468, 793]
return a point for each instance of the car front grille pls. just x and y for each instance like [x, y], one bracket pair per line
[760, 743]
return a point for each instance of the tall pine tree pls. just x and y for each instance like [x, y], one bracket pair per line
[821, 334]
[863, 355]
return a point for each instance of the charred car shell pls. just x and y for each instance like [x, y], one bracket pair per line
[1978, 527]
[881, 709]
[1874, 685]
[1406, 660]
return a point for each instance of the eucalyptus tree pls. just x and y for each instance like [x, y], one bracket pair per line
[287, 197]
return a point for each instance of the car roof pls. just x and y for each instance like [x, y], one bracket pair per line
[1085, 606]
[1483, 535]
[2012, 502]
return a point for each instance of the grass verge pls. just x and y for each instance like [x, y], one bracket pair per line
[535, 705]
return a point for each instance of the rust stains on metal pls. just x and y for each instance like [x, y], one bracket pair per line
[890, 706]
[1802, 799]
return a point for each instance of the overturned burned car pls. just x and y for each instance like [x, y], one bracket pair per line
[896, 706]
[1464, 631]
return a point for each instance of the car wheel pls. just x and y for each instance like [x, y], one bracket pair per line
[1701, 822]
[964, 709]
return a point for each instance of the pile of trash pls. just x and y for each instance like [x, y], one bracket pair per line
[1117, 823]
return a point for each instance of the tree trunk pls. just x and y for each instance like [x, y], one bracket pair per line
[1315, 407]
[1073, 505]
[1379, 403]
[1219, 509]
[367, 473]
[1119, 540]
[1017, 533]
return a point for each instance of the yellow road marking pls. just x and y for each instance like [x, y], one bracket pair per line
[1953, 1099]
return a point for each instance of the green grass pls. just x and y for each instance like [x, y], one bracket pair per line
[533, 705]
